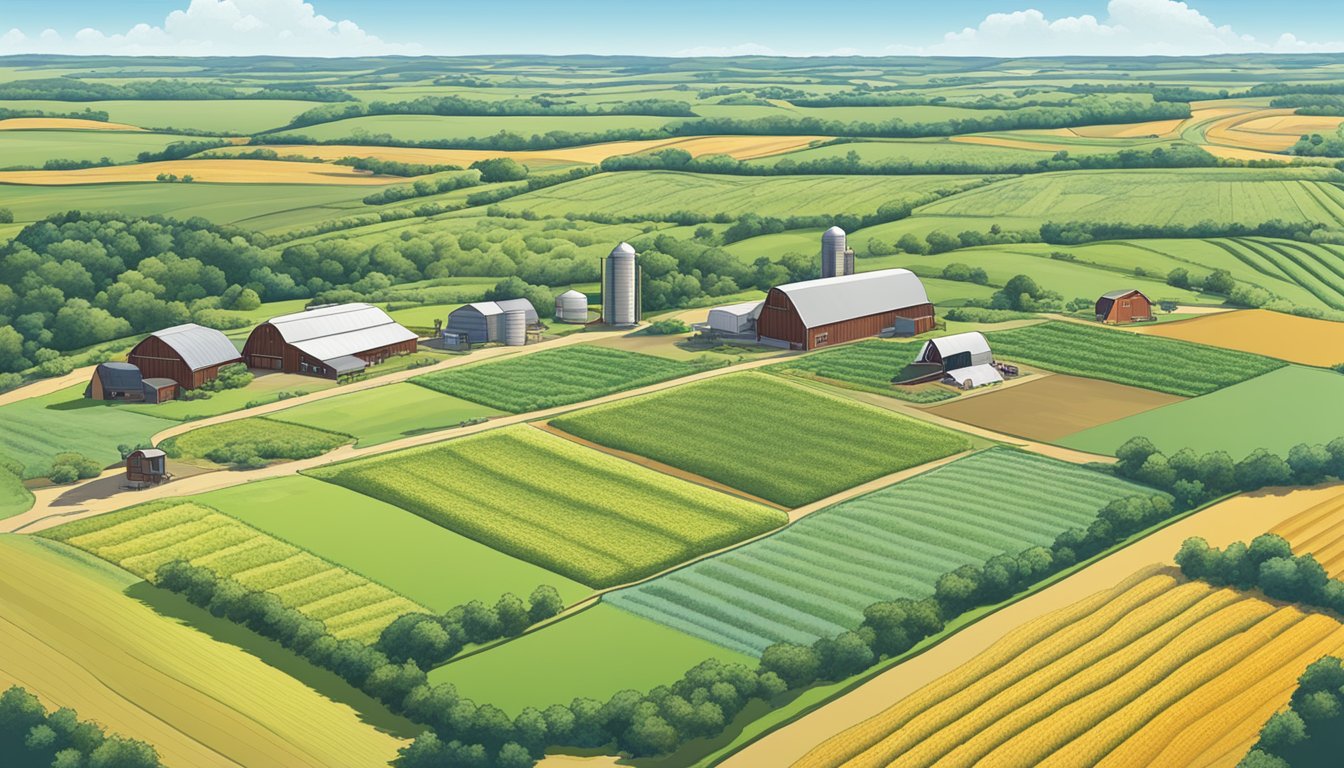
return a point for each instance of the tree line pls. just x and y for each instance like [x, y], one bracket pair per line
[462, 106]
[1310, 732]
[71, 89]
[98, 115]
[1077, 232]
[32, 737]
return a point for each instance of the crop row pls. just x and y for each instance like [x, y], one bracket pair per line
[869, 365]
[553, 377]
[1151, 362]
[142, 539]
[814, 578]
[550, 501]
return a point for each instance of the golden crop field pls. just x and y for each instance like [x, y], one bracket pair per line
[75, 639]
[62, 124]
[1275, 334]
[221, 171]
[1157, 671]
[1160, 128]
[1235, 130]
[1320, 532]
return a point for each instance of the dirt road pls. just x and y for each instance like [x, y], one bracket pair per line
[1238, 519]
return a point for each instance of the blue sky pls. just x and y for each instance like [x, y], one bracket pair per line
[708, 27]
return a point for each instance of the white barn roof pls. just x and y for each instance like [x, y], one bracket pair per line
[978, 375]
[833, 299]
[492, 308]
[745, 309]
[198, 346]
[345, 329]
[973, 342]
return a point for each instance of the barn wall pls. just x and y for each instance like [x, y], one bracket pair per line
[779, 319]
[156, 359]
[869, 325]
[266, 349]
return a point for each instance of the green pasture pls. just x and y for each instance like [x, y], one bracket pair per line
[385, 413]
[265, 388]
[15, 498]
[593, 654]
[1275, 411]
[233, 115]
[33, 148]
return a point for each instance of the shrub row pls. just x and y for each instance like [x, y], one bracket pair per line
[1309, 731]
[431, 640]
[1194, 479]
[32, 737]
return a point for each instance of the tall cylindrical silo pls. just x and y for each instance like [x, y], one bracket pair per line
[571, 307]
[833, 250]
[620, 300]
[515, 327]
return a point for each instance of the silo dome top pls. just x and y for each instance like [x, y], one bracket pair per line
[624, 248]
[571, 294]
[835, 231]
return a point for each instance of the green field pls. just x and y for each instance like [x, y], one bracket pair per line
[37, 429]
[593, 654]
[924, 151]
[255, 437]
[380, 414]
[1275, 411]
[651, 194]
[868, 365]
[143, 538]
[769, 438]
[553, 377]
[594, 518]
[14, 497]
[814, 578]
[1164, 365]
[425, 562]
[266, 387]
[33, 148]
[436, 128]
[237, 116]
[1317, 268]
[1243, 195]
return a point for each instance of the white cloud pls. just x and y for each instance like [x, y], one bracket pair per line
[219, 28]
[1132, 28]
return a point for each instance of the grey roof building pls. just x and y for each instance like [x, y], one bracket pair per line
[484, 321]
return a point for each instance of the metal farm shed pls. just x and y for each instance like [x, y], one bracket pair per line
[189, 354]
[734, 318]
[965, 357]
[833, 310]
[484, 321]
[318, 341]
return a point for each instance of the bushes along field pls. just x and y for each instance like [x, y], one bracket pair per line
[1164, 365]
[1308, 732]
[814, 578]
[142, 538]
[252, 442]
[35, 737]
[769, 438]
[553, 377]
[868, 365]
[544, 499]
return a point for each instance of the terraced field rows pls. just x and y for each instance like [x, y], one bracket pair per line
[142, 539]
[1320, 531]
[1311, 266]
[814, 578]
[1155, 672]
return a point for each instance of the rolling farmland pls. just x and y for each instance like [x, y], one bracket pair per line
[1259, 331]
[1164, 365]
[728, 430]
[37, 429]
[1155, 672]
[381, 414]
[1318, 268]
[593, 518]
[869, 365]
[553, 377]
[254, 438]
[814, 578]
[140, 539]
[73, 636]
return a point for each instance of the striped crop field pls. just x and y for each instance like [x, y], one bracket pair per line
[140, 539]
[1155, 672]
[779, 441]
[814, 578]
[1151, 362]
[868, 365]
[594, 518]
[1317, 268]
[555, 377]
[1319, 531]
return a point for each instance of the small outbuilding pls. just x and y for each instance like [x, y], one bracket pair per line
[147, 466]
[735, 319]
[966, 359]
[1126, 306]
[189, 354]
[571, 307]
[158, 390]
[116, 381]
[483, 322]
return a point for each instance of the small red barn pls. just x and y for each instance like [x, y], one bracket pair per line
[328, 341]
[147, 466]
[189, 354]
[1128, 306]
[833, 310]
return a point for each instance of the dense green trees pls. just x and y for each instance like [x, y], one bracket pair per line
[1310, 731]
[458, 105]
[1194, 479]
[32, 737]
[496, 169]
[1076, 232]
[73, 89]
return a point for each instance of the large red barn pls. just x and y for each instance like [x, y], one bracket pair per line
[188, 354]
[327, 341]
[833, 310]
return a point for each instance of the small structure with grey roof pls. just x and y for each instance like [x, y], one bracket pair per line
[966, 359]
[734, 319]
[483, 322]
[189, 354]
[1124, 306]
[115, 381]
[147, 466]
[319, 341]
[833, 310]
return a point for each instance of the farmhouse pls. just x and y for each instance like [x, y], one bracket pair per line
[1127, 306]
[188, 354]
[965, 359]
[147, 466]
[833, 310]
[734, 319]
[329, 341]
[504, 321]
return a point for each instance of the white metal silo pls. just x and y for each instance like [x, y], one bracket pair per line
[515, 327]
[571, 307]
[836, 258]
[620, 287]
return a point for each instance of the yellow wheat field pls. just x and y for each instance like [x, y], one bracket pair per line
[62, 124]
[1160, 128]
[1320, 531]
[1158, 671]
[222, 171]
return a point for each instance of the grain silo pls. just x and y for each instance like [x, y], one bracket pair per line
[515, 327]
[621, 303]
[571, 307]
[836, 258]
